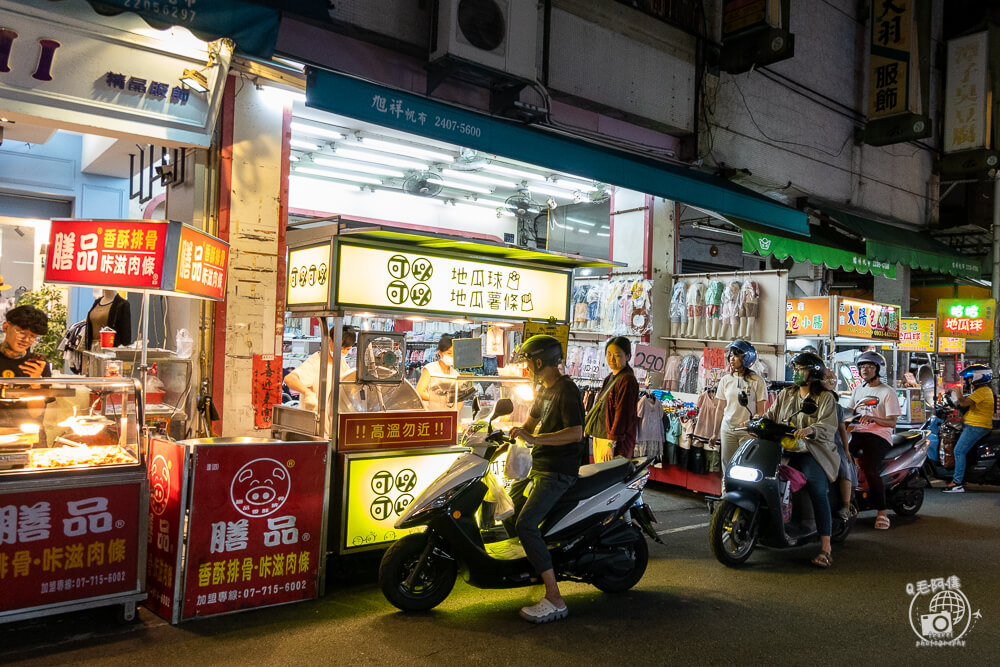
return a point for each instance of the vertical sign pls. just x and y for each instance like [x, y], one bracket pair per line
[117, 253]
[255, 526]
[59, 545]
[166, 509]
[892, 45]
[266, 389]
[966, 117]
[201, 264]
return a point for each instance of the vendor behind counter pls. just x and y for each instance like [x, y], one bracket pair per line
[305, 378]
[436, 385]
[22, 327]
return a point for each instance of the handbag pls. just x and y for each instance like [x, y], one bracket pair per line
[596, 424]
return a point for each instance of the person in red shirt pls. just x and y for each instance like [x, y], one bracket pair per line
[621, 403]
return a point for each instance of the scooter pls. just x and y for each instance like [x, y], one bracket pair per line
[902, 469]
[594, 533]
[983, 460]
[751, 509]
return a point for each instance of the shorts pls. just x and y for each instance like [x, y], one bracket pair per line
[713, 311]
[847, 467]
[696, 311]
[592, 310]
[580, 312]
[749, 308]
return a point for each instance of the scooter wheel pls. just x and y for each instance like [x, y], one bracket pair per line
[732, 534]
[907, 502]
[639, 551]
[428, 587]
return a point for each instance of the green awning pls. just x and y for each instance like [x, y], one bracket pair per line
[888, 243]
[765, 243]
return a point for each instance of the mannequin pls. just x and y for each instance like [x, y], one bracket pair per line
[678, 309]
[730, 311]
[749, 302]
[109, 310]
[713, 309]
[696, 308]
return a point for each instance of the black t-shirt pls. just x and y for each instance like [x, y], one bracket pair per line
[556, 408]
[16, 413]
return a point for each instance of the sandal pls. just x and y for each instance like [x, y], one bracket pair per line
[823, 559]
[882, 522]
[543, 612]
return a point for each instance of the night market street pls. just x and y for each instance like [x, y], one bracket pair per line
[688, 609]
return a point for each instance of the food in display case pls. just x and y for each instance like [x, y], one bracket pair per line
[64, 457]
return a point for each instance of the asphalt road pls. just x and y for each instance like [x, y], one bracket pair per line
[688, 609]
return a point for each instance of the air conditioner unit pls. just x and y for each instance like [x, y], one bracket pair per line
[497, 34]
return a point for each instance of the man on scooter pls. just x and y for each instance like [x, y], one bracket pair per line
[872, 437]
[978, 420]
[557, 450]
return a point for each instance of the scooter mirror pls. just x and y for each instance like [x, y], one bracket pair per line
[742, 398]
[476, 407]
[809, 406]
[504, 406]
[867, 402]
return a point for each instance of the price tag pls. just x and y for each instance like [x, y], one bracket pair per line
[652, 359]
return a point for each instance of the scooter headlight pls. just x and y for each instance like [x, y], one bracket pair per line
[745, 474]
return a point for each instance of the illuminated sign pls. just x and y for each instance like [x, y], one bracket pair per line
[309, 275]
[864, 319]
[916, 334]
[370, 277]
[951, 345]
[560, 331]
[388, 430]
[807, 317]
[379, 489]
[966, 318]
[201, 264]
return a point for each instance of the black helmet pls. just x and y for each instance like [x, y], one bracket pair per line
[812, 363]
[871, 357]
[546, 348]
[744, 349]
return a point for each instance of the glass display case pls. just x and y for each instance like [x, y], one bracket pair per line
[68, 423]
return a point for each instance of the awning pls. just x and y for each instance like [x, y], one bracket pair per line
[253, 28]
[822, 249]
[888, 243]
[406, 112]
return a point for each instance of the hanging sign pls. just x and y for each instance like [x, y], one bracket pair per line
[864, 319]
[391, 430]
[892, 44]
[201, 266]
[948, 345]
[389, 279]
[560, 331]
[916, 334]
[309, 271]
[966, 93]
[966, 318]
[807, 317]
[652, 359]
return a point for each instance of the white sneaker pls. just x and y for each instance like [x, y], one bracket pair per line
[958, 488]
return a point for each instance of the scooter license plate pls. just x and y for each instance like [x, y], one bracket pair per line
[646, 512]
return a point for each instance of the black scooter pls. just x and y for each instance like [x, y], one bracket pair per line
[750, 510]
[983, 461]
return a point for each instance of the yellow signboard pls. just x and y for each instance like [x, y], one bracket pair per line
[385, 278]
[968, 318]
[864, 319]
[809, 316]
[380, 489]
[916, 334]
[889, 71]
[951, 345]
[560, 331]
[309, 275]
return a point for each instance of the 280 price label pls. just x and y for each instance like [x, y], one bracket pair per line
[652, 359]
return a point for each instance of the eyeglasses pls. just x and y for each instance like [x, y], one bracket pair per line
[23, 334]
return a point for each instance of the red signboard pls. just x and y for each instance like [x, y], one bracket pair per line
[60, 545]
[266, 390]
[166, 509]
[123, 253]
[389, 430]
[255, 526]
[201, 264]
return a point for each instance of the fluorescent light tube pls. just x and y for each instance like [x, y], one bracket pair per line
[603, 234]
[575, 185]
[341, 175]
[578, 221]
[549, 189]
[304, 145]
[464, 186]
[354, 153]
[508, 171]
[476, 178]
[314, 131]
[403, 149]
[351, 165]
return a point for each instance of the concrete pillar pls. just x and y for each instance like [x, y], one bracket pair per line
[895, 291]
[664, 236]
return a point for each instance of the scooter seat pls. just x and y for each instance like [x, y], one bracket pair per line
[597, 476]
[902, 443]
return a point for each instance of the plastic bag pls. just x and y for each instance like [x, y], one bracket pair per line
[518, 464]
[185, 344]
[496, 494]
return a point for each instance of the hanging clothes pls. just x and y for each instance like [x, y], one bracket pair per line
[688, 377]
[651, 433]
[672, 373]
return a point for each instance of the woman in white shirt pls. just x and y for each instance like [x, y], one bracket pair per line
[729, 412]
[436, 386]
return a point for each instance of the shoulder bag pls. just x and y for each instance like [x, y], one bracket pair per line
[596, 424]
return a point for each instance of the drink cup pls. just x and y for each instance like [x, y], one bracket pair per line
[107, 337]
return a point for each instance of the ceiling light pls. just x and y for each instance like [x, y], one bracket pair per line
[581, 222]
[461, 321]
[314, 182]
[575, 185]
[380, 158]
[481, 202]
[293, 158]
[350, 165]
[303, 145]
[195, 80]
[314, 131]
[603, 234]
[549, 189]
[341, 175]
[583, 231]
[466, 187]
[412, 151]
[416, 318]
[507, 171]
[476, 178]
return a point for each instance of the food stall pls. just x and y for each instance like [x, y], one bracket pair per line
[74, 485]
[388, 443]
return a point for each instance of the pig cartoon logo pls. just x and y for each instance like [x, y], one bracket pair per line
[159, 484]
[260, 488]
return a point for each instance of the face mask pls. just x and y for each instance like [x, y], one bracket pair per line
[448, 359]
[800, 377]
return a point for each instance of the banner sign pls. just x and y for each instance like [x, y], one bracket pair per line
[379, 489]
[64, 544]
[917, 334]
[864, 319]
[158, 256]
[966, 318]
[266, 388]
[948, 345]
[166, 529]
[255, 526]
[807, 317]
[389, 430]
[966, 93]
[389, 279]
